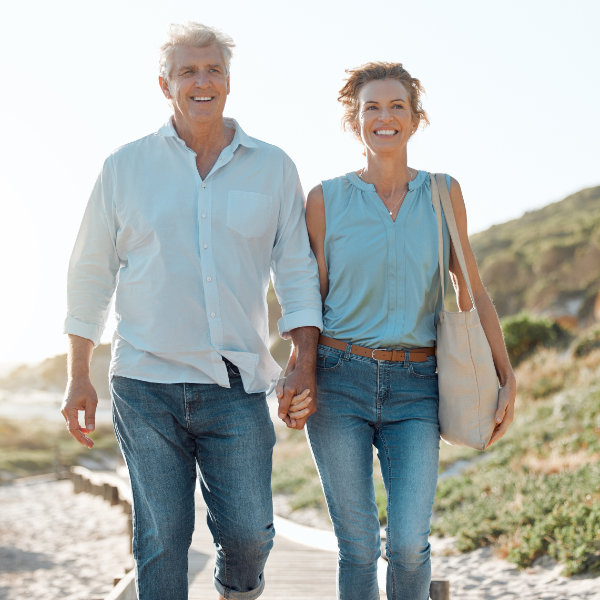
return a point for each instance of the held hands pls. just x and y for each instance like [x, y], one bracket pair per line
[299, 409]
[296, 401]
[80, 396]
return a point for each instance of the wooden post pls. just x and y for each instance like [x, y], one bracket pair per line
[77, 482]
[439, 590]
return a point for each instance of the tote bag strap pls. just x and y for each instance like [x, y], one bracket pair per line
[439, 191]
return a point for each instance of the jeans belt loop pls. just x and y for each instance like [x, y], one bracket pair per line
[348, 351]
[406, 358]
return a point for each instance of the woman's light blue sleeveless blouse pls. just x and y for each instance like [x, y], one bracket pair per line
[384, 284]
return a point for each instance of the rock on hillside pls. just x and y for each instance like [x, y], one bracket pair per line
[548, 261]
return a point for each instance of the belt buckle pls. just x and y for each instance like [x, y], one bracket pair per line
[373, 350]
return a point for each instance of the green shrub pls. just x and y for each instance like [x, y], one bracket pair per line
[523, 334]
[587, 343]
[568, 533]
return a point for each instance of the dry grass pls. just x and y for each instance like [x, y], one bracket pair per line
[551, 370]
[556, 462]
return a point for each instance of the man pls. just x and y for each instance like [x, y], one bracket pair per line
[187, 224]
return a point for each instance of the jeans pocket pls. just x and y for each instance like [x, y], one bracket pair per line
[424, 370]
[327, 361]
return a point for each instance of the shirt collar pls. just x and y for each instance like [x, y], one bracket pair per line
[240, 138]
[413, 184]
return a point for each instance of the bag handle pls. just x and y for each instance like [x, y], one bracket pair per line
[439, 190]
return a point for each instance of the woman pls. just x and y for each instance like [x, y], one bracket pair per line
[374, 235]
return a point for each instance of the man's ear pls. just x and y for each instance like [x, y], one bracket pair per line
[164, 86]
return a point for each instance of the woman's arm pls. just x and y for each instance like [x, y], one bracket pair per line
[487, 315]
[300, 408]
[315, 223]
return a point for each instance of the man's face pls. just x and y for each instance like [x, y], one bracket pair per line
[197, 85]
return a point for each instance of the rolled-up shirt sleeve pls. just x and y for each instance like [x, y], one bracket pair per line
[293, 265]
[94, 264]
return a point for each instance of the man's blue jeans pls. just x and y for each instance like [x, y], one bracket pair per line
[392, 406]
[164, 431]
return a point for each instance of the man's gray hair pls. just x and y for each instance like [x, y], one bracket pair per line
[197, 35]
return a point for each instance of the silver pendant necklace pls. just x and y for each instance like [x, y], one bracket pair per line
[410, 178]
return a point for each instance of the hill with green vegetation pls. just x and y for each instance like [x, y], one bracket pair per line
[547, 262]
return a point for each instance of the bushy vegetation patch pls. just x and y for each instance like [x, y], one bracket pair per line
[538, 490]
[587, 343]
[27, 449]
[524, 334]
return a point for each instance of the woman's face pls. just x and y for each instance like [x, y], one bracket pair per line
[385, 119]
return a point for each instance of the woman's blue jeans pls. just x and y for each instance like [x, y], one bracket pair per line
[164, 431]
[393, 406]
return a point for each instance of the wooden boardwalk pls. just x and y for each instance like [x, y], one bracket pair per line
[293, 572]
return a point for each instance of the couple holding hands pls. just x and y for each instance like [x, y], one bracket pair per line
[185, 227]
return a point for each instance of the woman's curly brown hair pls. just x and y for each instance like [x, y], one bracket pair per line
[373, 71]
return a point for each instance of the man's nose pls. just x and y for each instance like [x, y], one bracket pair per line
[202, 79]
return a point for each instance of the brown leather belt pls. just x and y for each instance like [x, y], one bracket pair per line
[414, 354]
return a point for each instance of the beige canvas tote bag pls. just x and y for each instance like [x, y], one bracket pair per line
[468, 384]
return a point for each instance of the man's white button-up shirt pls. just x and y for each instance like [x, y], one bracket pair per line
[191, 259]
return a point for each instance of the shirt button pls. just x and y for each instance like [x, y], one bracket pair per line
[213, 315]
[205, 246]
[203, 184]
[209, 278]
[203, 215]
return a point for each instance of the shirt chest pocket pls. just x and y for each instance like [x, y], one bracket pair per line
[249, 213]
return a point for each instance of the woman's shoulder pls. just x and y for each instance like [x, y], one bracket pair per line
[450, 180]
[344, 184]
[345, 179]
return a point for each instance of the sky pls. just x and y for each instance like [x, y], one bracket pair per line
[512, 92]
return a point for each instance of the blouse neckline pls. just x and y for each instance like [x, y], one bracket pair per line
[413, 184]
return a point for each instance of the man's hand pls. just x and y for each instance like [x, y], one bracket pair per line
[297, 391]
[80, 393]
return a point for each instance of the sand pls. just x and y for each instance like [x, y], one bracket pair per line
[55, 544]
[479, 575]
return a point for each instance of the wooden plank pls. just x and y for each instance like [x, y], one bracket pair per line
[293, 571]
